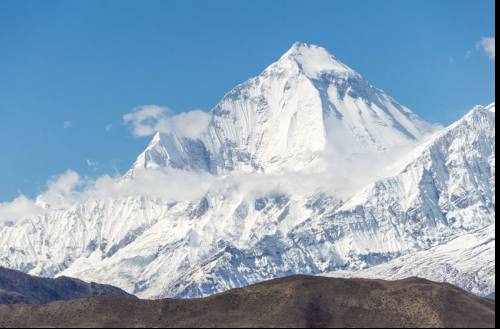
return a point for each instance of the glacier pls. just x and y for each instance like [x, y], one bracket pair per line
[312, 170]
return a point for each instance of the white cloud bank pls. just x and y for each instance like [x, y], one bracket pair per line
[21, 207]
[149, 119]
[61, 192]
[487, 44]
[174, 185]
[69, 189]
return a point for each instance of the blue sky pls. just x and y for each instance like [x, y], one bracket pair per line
[69, 70]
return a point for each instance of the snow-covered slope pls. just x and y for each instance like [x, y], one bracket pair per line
[305, 104]
[443, 190]
[302, 115]
[467, 261]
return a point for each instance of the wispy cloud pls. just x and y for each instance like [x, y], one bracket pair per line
[108, 127]
[487, 44]
[20, 208]
[61, 192]
[146, 120]
[174, 185]
[92, 163]
[67, 124]
[69, 189]
[149, 119]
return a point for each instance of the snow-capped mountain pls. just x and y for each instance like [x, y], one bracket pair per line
[304, 105]
[306, 116]
[443, 190]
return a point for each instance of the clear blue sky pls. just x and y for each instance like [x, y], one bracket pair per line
[88, 62]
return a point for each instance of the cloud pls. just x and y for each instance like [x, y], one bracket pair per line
[149, 119]
[145, 120]
[69, 189]
[20, 208]
[487, 44]
[92, 163]
[67, 124]
[108, 127]
[189, 124]
[61, 190]
[166, 184]
[64, 183]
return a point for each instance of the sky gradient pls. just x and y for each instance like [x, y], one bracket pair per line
[69, 70]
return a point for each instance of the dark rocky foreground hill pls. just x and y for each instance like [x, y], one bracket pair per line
[20, 288]
[298, 301]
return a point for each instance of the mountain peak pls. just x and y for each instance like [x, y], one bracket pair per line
[302, 107]
[479, 110]
[314, 60]
[298, 45]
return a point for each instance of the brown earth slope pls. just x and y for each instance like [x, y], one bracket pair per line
[298, 301]
[20, 288]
